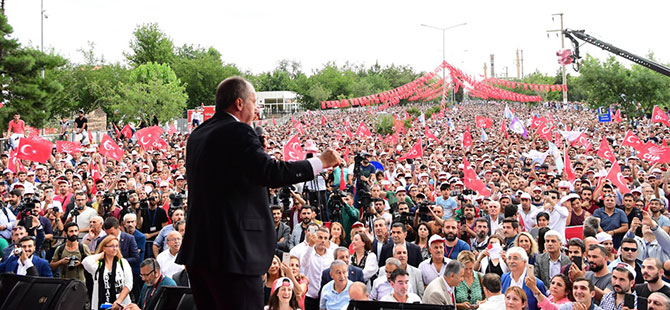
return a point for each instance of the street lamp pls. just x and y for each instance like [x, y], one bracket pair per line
[563, 73]
[42, 17]
[444, 58]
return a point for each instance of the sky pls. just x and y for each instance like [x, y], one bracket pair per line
[255, 35]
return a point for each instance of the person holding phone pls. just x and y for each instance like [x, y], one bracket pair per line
[517, 260]
[621, 298]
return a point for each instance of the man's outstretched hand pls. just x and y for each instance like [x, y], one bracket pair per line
[330, 158]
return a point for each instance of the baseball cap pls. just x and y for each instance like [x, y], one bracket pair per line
[525, 196]
[435, 238]
[537, 189]
[357, 224]
[400, 189]
[283, 281]
[603, 236]
[627, 267]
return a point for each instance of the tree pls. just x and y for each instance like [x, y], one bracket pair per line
[151, 90]
[201, 70]
[314, 95]
[150, 44]
[22, 87]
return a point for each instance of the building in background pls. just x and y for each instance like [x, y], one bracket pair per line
[277, 103]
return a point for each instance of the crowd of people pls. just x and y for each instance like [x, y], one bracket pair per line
[377, 227]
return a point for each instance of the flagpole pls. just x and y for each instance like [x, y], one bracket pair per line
[444, 57]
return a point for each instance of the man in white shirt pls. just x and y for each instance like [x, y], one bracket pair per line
[527, 212]
[495, 300]
[316, 259]
[400, 283]
[81, 214]
[167, 257]
[557, 213]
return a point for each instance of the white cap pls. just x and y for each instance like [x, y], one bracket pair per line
[400, 189]
[164, 184]
[435, 238]
[603, 236]
[564, 184]
[525, 196]
[627, 267]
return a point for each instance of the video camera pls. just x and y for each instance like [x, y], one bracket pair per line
[27, 206]
[423, 210]
[284, 195]
[335, 205]
[176, 202]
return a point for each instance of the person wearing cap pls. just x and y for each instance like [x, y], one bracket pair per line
[434, 266]
[577, 214]
[527, 211]
[612, 220]
[623, 276]
[628, 253]
[283, 296]
[80, 128]
[550, 263]
[657, 209]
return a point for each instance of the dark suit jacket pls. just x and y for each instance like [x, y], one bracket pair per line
[374, 249]
[283, 231]
[414, 257]
[181, 278]
[128, 248]
[542, 266]
[229, 219]
[40, 266]
[355, 275]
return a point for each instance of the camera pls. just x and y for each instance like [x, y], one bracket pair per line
[71, 263]
[284, 195]
[423, 210]
[27, 205]
[335, 205]
[176, 202]
[404, 217]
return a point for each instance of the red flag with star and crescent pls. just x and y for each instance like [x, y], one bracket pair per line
[632, 140]
[110, 149]
[292, 150]
[363, 130]
[567, 168]
[147, 136]
[38, 150]
[617, 116]
[429, 134]
[467, 138]
[615, 176]
[470, 180]
[605, 151]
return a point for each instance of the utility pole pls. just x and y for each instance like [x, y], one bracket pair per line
[560, 31]
[42, 30]
[522, 75]
[493, 72]
[518, 65]
[485, 77]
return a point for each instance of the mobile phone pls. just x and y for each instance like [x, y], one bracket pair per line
[577, 261]
[629, 301]
[286, 258]
[531, 271]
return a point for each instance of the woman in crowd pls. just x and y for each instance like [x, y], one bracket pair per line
[112, 275]
[469, 291]
[283, 297]
[274, 273]
[363, 256]
[526, 242]
[560, 292]
[337, 234]
[300, 289]
[515, 299]
[423, 232]
[484, 262]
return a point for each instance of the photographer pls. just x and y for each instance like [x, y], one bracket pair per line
[378, 209]
[23, 262]
[81, 214]
[68, 256]
[31, 219]
[316, 189]
[153, 218]
[362, 174]
[350, 215]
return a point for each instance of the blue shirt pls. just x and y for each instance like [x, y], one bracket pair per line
[611, 222]
[149, 292]
[331, 299]
[452, 253]
[506, 280]
[448, 205]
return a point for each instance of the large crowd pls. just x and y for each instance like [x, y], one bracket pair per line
[380, 226]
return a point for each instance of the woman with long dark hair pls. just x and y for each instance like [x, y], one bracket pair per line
[112, 275]
[283, 297]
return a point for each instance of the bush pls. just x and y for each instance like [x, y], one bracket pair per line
[384, 125]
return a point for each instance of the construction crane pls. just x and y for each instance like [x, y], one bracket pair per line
[573, 35]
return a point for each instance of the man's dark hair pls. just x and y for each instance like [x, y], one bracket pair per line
[398, 272]
[276, 207]
[510, 210]
[444, 186]
[553, 191]
[152, 262]
[26, 238]
[110, 222]
[589, 232]
[469, 206]
[628, 195]
[401, 225]
[617, 268]
[629, 240]
[511, 220]
[577, 242]
[70, 224]
[491, 282]
[483, 220]
[542, 214]
[590, 283]
[229, 90]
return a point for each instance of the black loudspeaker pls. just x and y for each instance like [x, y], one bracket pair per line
[173, 298]
[382, 305]
[37, 293]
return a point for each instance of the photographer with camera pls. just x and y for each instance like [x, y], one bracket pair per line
[35, 224]
[316, 189]
[68, 256]
[81, 213]
[7, 221]
[363, 173]
[153, 218]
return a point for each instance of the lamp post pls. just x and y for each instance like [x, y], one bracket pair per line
[444, 49]
[563, 73]
[42, 17]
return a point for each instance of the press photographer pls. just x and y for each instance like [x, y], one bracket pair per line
[341, 207]
[363, 172]
[36, 225]
[67, 257]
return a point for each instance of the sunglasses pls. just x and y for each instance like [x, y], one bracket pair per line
[629, 249]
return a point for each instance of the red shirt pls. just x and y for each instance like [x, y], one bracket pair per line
[17, 127]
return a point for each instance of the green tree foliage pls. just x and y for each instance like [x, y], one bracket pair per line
[22, 87]
[150, 44]
[151, 90]
[384, 125]
[201, 70]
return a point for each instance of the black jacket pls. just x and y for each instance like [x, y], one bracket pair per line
[414, 257]
[229, 222]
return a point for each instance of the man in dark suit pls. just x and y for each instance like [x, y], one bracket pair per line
[283, 231]
[398, 235]
[26, 263]
[231, 238]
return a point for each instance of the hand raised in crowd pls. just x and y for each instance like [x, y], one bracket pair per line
[330, 158]
[647, 220]
[635, 224]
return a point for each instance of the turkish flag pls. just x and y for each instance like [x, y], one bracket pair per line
[127, 131]
[504, 128]
[483, 122]
[538, 122]
[68, 147]
[95, 171]
[615, 176]
[617, 116]
[14, 164]
[292, 150]
[323, 120]
[545, 132]
[348, 132]
[605, 152]
[658, 116]
[110, 149]
[467, 138]
[147, 135]
[470, 180]
[429, 134]
[632, 140]
[38, 150]
[582, 141]
[415, 152]
[567, 169]
[363, 130]
[298, 127]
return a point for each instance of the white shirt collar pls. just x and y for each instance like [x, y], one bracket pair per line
[521, 279]
[237, 119]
